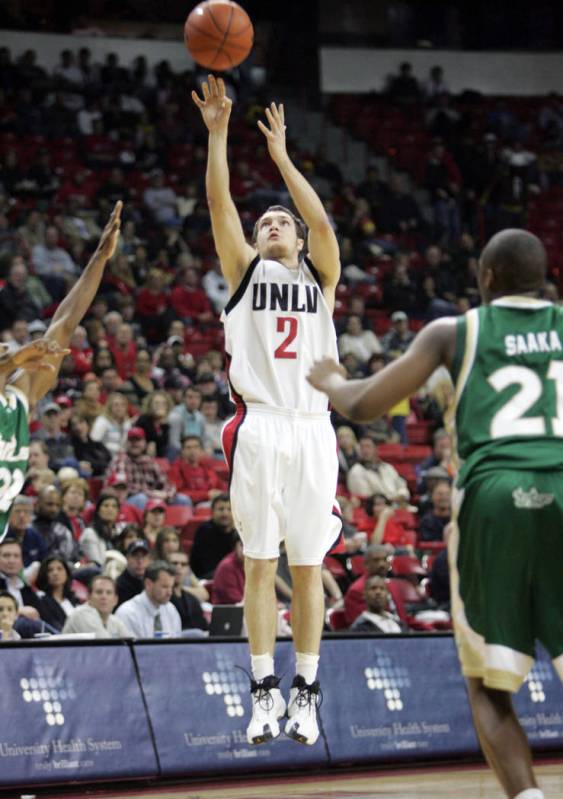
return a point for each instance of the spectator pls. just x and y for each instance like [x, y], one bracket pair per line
[201, 483]
[376, 618]
[96, 615]
[216, 287]
[435, 85]
[183, 599]
[93, 456]
[400, 290]
[441, 456]
[57, 537]
[145, 479]
[348, 453]
[154, 421]
[153, 521]
[74, 495]
[57, 600]
[433, 523]
[59, 446]
[33, 547]
[213, 539]
[397, 340]
[439, 578]
[189, 302]
[372, 476]
[53, 264]
[433, 476]
[89, 404]
[386, 529]
[100, 535]
[212, 427]
[66, 407]
[228, 580]
[376, 561]
[442, 178]
[18, 335]
[112, 426]
[152, 305]
[361, 343]
[403, 88]
[185, 419]
[12, 581]
[123, 349]
[139, 385]
[8, 616]
[15, 299]
[130, 582]
[151, 613]
[161, 200]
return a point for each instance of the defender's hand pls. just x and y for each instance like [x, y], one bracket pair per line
[215, 106]
[326, 375]
[108, 240]
[32, 357]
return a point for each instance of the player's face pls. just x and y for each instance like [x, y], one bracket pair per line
[277, 236]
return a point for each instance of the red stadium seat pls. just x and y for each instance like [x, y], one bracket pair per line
[178, 515]
[95, 485]
[187, 533]
[336, 617]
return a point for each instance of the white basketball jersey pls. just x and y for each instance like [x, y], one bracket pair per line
[277, 324]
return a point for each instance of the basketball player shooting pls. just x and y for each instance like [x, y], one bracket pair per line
[280, 445]
[27, 374]
[506, 552]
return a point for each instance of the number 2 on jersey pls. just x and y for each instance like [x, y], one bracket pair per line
[283, 322]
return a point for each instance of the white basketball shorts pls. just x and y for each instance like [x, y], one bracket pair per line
[284, 472]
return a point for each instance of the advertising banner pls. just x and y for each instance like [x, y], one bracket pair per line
[72, 713]
[392, 699]
[199, 706]
[539, 704]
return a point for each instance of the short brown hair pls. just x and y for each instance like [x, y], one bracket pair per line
[300, 227]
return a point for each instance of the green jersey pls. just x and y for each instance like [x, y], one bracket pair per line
[508, 376]
[14, 449]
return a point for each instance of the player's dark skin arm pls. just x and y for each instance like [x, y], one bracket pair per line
[364, 400]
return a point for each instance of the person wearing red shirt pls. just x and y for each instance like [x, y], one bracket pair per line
[386, 529]
[188, 300]
[124, 351]
[228, 580]
[191, 477]
[152, 305]
[81, 351]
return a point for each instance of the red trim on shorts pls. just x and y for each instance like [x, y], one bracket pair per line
[337, 547]
[229, 436]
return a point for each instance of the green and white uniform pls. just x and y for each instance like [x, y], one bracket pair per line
[14, 449]
[506, 554]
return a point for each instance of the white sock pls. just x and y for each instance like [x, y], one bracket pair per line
[307, 665]
[530, 793]
[262, 666]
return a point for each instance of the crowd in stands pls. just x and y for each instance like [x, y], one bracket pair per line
[127, 487]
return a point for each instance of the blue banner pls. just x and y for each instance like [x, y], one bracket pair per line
[539, 705]
[199, 706]
[72, 713]
[391, 699]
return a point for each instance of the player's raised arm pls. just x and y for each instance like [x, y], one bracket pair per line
[234, 252]
[364, 400]
[323, 246]
[71, 311]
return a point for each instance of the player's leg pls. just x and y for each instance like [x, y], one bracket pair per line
[492, 602]
[254, 478]
[310, 531]
[501, 737]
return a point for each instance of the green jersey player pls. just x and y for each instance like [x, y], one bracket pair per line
[506, 550]
[29, 373]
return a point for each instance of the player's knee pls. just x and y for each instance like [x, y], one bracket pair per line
[258, 570]
[305, 575]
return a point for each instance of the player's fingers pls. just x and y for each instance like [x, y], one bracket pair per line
[117, 209]
[282, 114]
[266, 131]
[197, 100]
[269, 117]
[221, 85]
[213, 85]
[205, 91]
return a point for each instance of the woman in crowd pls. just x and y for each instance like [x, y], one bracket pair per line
[93, 456]
[89, 405]
[387, 530]
[154, 515]
[153, 421]
[348, 453]
[101, 534]
[140, 384]
[111, 427]
[56, 597]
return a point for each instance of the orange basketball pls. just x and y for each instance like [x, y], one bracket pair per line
[218, 34]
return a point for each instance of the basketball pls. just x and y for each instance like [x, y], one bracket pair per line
[218, 34]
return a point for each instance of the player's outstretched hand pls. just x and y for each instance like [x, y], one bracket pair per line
[215, 106]
[32, 357]
[108, 240]
[326, 374]
[275, 134]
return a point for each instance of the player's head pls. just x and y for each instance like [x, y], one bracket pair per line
[513, 262]
[279, 234]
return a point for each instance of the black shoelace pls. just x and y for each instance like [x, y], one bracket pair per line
[307, 694]
[262, 691]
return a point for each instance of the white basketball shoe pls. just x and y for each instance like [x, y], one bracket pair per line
[268, 707]
[304, 699]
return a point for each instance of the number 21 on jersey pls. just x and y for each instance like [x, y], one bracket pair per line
[287, 325]
[510, 420]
